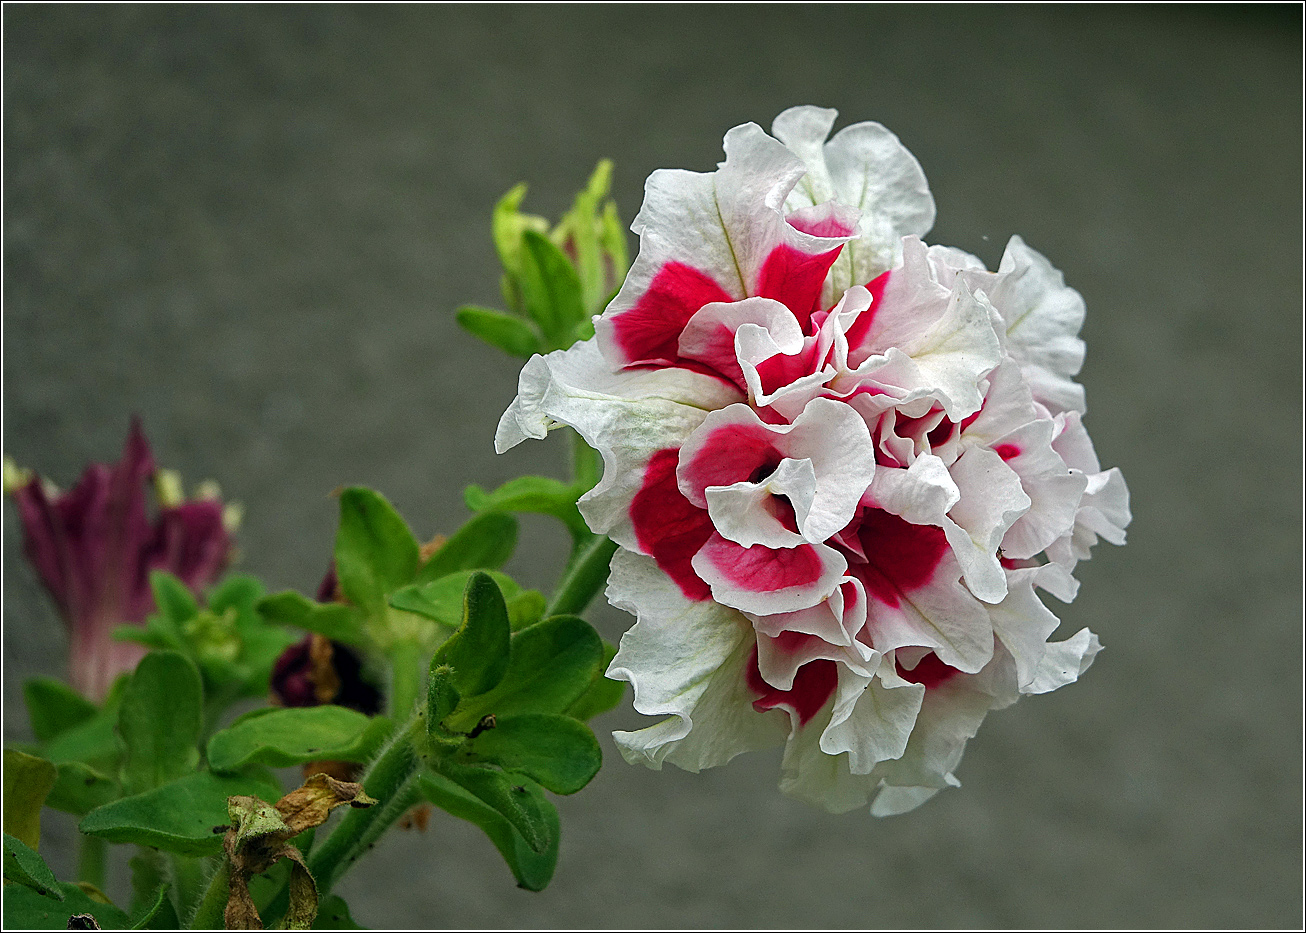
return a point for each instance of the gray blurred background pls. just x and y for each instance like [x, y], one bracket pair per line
[251, 226]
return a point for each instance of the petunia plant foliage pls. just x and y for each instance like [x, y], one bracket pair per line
[829, 468]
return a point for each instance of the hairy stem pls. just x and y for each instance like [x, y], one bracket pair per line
[583, 578]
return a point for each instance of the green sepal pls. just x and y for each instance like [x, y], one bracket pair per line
[160, 720]
[533, 870]
[333, 914]
[441, 697]
[296, 735]
[54, 707]
[507, 332]
[25, 909]
[540, 494]
[550, 664]
[24, 865]
[376, 552]
[526, 608]
[550, 290]
[179, 816]
[27, 782]
[555, 751]
[485, 542]
[79, 788]
[515, 797]
[333, 620]
[508, 224]
[478, 651]
[602, 694]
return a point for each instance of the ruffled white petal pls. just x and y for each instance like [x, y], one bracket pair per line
[685, 660]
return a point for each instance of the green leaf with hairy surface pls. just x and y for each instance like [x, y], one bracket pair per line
[53, 707]
[515, 797]
[79, 788]
[478, 651]
[27, 782]
[292, 736]
[485, 542]
[333, 914]
[550, 664]
[506, 332]
[25, 866]
[25, 909]
[332, 620]
[602, 694]
[442, 599]
[533, 870]
[555, 751]
[179, 816]
[376, 552]
[539, 494]
[550, 290]
[155, 910]
[160, 720]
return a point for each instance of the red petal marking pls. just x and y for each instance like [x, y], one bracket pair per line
[794, 279]
[1007, 451]
[760, 569]
[776, 372]
[862, 326]
[719, 359]
[732, 453]
[941, 433]
[668, 526]
[826, 226]
[650, 331]
[813, 685]
[900, 556]
[929, 671]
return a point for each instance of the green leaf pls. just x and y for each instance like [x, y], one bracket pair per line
[442, 599]
[54, 707]
[25, 909]
[556, 751]
[539, 494]
[27, 782]
[533, 870]
[25, 866]
[154, 909]
[507, 332]
[375, 551]
[484, 543]
[526, 608]
[284, 737]
[160, 720]
[179, 816]
[334, 620]
[333, 914]
[94, 741]
[550, 290]
[174, 599]
[239, 592]
[602, 694]
[478, 651]
[515, 797]
[550, 665]
[79, 788]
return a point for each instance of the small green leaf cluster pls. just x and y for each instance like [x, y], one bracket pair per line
[554, 281]
[504, 720]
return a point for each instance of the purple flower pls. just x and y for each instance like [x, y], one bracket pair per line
[95, 545]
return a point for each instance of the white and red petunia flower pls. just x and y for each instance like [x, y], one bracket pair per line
[838, 463]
